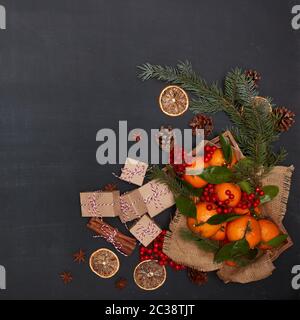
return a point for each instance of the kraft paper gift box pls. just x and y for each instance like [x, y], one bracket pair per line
[100, 204]
[157, 197]
[145, 230]
[134, 171]
[132, 206]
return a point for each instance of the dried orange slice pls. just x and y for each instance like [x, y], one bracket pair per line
[173, 101]
[149, 275]
[104, 263]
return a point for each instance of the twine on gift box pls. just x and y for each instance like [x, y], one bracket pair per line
[126, 209]
[93, 206]
[128, 173]
[142, 231]
[157, 191]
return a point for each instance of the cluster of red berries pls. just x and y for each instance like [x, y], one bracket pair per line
[156, 253]
[251, 200]
[209, 152]
[209, 195]
[177, 160]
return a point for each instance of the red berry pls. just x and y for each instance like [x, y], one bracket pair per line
[257, 189]
[214, 148]
[207, 148]
[228, 192]
[177, 268]
[207, 198]
[205, 193]
[172, 263]
[231, 196]
[244, 206]
[261, 193]
[219, 210]
[209, 207]
[214, 198]
[206, 159]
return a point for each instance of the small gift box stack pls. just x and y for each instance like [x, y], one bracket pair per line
[140, 205]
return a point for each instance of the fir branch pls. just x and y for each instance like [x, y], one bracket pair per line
[254, 125]
[169, 178]
[238, 88]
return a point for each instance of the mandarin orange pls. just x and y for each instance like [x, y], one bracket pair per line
[269, 231]
[245, 227]
[199, 224]
[229, 191]
[194, 180]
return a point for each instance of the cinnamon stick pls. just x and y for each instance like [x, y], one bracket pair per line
[120, 241]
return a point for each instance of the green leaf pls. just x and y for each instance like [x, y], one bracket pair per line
[186, 206]
[208, 245]
[244, 260]
[216, 175]
[277, 241]
[221, 218]
[203, 243]
[197, 192]
[232, 250]
[245, 186]
[226, 148]
[270, 193]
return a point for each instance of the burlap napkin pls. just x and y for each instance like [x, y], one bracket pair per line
[188, 253]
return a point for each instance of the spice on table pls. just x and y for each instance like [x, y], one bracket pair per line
[79, 256]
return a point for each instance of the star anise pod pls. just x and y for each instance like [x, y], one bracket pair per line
[201, 121]
[285, 118]
[66, 277]
[253, 75]
[197, 277]
[121, 283]
[79, 256]
[110, 187]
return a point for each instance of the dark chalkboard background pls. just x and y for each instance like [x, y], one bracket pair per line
[68, 69]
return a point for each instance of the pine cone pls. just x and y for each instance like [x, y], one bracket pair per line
[110, 187]
[285, 118]
[197, 277]
[165, 139]
[254, 76]
[201, 121]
